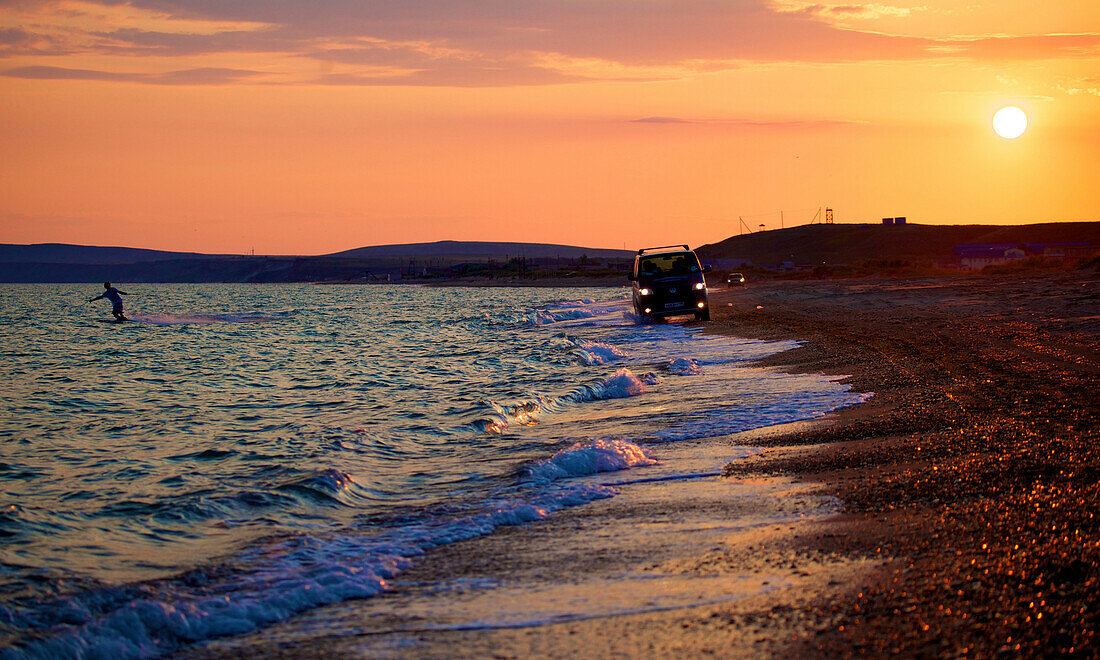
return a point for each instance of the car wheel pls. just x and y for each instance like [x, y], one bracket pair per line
[703, 315]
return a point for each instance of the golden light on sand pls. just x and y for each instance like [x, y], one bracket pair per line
[1010, 122]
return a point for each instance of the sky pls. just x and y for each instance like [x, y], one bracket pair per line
[291, 127]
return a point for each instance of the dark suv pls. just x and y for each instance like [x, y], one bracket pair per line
[669, 282]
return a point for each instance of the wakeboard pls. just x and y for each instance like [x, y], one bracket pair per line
[112, 320]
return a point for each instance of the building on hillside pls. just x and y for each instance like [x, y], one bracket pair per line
[975, 256]
[1067, 251]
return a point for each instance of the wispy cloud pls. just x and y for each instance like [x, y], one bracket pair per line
[1028, 47]
[739, 122]
[491, 42]
[201, 76]
[1089, 85]
[858, 11]
[661, 120]
[458, 76]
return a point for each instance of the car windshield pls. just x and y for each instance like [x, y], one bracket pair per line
[674, 263]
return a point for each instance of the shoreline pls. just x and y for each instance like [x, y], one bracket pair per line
[578, 282]
[939, 548]
[673, 567]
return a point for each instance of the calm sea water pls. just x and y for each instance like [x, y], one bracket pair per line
[242, 453]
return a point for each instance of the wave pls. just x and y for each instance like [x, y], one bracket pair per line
[620, 385]
[684, 367]
[592, 457]
[275, 581]
[594, 353]
[492, 417]
[547, 316]
[330, 486]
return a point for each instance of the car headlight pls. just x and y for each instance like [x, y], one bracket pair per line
[699, 286]
[644, 292]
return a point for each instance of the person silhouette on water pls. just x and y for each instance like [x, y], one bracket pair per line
[111, 294]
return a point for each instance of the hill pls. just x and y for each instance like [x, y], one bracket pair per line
[64, 253]
[484, 250]
[852, 244]
[56, 262]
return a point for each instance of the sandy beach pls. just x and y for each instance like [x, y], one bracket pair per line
[974, 468]
[951, 514]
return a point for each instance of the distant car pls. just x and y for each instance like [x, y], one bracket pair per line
[735, 280]
[669, 282]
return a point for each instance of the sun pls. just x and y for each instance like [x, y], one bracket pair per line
[1010, 122]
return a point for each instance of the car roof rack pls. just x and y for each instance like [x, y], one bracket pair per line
[662, 247]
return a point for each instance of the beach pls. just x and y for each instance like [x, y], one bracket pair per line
[972, 471]
[950, 514]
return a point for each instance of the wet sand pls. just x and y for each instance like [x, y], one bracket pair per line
[951, 514]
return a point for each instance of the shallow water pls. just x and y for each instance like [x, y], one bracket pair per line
[241, 453]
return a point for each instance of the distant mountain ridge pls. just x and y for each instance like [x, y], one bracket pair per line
[64, 253]
[483, 249]
[60, 262]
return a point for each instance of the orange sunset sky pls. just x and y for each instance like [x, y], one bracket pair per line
[294, 127]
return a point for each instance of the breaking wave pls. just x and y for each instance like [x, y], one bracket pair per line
[591, 457]
[684, 367]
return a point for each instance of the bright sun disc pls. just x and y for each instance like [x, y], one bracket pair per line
[1009, 122]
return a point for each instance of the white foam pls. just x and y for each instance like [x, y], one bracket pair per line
[684, 367]
[525, 413]
[547, 316]
[591, 457]
[281, 580]
[594, 353]
[622, 384]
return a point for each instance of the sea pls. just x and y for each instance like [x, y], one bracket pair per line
[238, 454]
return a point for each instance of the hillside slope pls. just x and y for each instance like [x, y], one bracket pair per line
[851, 244]
[64, 253]
[54, 262]
[482, 250]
